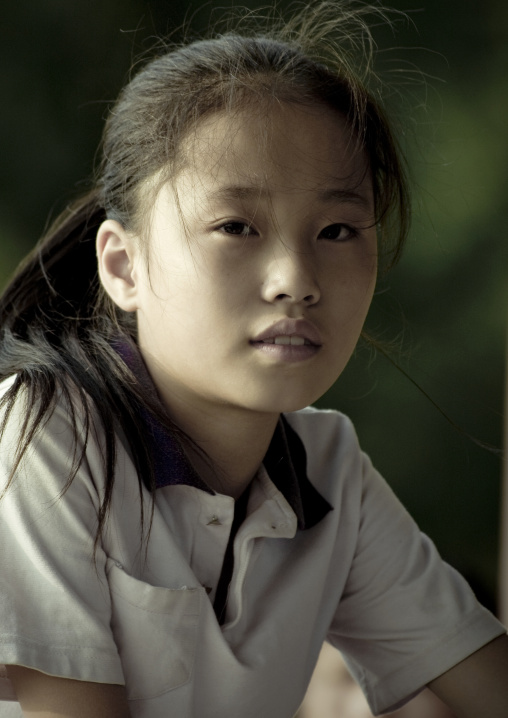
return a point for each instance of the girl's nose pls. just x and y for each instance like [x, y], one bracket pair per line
[292, 278]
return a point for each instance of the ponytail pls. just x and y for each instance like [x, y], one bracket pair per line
[57, 327]
[57, 281]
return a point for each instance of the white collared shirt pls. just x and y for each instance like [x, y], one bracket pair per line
[363, 577]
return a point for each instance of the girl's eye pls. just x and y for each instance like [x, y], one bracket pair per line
[239, 229]
[337, 233]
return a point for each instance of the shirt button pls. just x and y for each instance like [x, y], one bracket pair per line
[214, 521]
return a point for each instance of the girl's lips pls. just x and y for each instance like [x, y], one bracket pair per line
[289, 340]
[287, 352]
[294, 340]
[289, 332]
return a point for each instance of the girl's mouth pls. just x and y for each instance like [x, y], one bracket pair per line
[284, 348]
[288, 340]
[284, 339]
[294, 332]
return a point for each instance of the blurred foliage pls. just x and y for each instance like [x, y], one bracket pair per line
[442, 309]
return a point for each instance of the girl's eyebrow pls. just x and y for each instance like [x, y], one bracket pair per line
[333, 195]
[346, 196]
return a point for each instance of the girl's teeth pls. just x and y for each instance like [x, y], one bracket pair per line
[294, 341]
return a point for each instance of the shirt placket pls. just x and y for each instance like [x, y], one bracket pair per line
[273, 519]
[211, 538]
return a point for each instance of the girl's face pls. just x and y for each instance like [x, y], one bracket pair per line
[262, 263]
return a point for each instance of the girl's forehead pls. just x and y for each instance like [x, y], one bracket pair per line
[287, 146]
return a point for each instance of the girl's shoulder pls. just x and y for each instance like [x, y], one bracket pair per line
[63, 424]
[334, 460]
[322, 427]
[66, 401]
[6, 384]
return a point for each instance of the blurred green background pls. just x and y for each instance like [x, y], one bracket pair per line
[443, 307]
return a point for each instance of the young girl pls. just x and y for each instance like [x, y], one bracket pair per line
[179, 533]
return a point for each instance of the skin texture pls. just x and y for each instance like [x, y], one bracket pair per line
[43, 696]
[478, 686]
[474, 688]
[224, 265]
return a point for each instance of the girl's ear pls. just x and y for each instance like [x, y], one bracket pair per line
[116, 262]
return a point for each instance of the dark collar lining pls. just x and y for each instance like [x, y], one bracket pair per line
[285, 461]
[286, 464]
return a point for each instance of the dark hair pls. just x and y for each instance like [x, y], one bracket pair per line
[57, 325]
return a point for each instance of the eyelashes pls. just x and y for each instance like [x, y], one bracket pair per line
[337, 232]
[237, 229]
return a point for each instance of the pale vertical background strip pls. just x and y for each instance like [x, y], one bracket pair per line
[503, 562]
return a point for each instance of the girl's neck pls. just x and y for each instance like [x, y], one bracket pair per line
[233, 443]
[230, 441]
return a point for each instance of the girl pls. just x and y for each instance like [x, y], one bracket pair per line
[179, 534]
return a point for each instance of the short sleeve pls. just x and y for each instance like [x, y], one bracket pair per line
[55, 607]
[405, 616]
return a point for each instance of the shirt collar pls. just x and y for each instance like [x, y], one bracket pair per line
[285, 461]
[286, 464]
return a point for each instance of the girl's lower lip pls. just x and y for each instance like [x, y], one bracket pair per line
[287, 352]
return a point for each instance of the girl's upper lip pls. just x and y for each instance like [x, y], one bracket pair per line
[291, 327]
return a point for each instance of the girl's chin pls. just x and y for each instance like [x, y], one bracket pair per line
[283, 404]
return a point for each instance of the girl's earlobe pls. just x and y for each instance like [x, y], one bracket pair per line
[115, 258]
